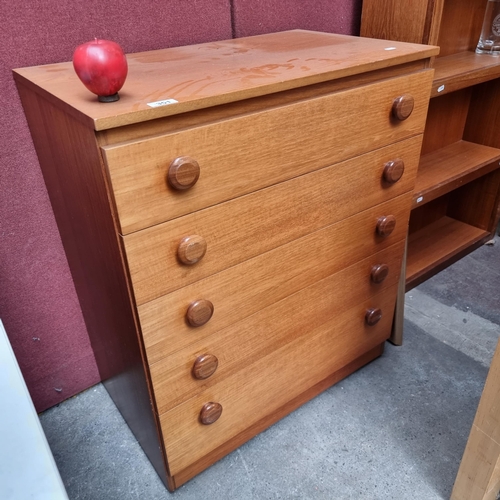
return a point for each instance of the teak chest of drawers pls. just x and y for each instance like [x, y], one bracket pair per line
[238, 250]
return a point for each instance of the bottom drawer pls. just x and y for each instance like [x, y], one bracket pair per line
[261, 388]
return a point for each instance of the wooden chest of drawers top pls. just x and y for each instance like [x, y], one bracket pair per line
[210, 74]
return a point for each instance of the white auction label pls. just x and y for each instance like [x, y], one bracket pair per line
[165, 102]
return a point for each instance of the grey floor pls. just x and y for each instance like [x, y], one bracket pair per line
[395, 429]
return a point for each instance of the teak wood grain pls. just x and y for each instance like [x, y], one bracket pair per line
[476, 203]
[290, 190]
[244, 289]
[478, 477]
[435, 243]
[215, 73]
[243, 343]
[460, 26]
[394, 20]
[262, 424]
[462, 70]
[450, 167]
[271, 217]
[196, 118]
[318, 132]
[267, 382]
[446, 120]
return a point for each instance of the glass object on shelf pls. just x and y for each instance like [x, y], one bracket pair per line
[489, 41]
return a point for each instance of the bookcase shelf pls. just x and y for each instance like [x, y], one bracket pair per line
[436, 244]
[461, 70]
[457, 192]
[450, 167]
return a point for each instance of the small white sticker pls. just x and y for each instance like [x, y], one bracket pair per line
[440, 89]
[390, 48]
[419, 199]
[165, 102]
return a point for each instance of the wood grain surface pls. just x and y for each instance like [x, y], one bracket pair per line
[253, 279]
[450, 167]
[242, 290]
[271, 217]
[461, 70]
[468, 15]
[393, 20]
[318, 132]
[478, 477]
[257, 283]
[269, 419]
[210, 74]
[244, 342]
[437, 243]
[261, 388]
[446, 120]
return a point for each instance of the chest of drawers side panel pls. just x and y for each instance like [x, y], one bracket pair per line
[73, 173]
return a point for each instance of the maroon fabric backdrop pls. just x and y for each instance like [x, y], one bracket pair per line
[252, 17]
[38, 304]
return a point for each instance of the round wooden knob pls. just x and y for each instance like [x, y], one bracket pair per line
[183, 173]
[393, 170]
[191, 249]
[379, 273]
[205, 366]
[373, 316]
[199, 312]
[210, 413]
[386, 225]
[402, 106]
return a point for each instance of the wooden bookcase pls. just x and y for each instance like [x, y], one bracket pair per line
[456, 197]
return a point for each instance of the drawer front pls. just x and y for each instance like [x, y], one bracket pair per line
[243, 228]
[208, 361]
[240, 155]
[242, 290]
[261, 388]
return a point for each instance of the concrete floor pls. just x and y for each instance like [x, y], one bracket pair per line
[395, 429]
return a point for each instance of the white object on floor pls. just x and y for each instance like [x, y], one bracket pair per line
[27, 468]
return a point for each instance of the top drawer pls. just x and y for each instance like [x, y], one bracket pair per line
[239, 155]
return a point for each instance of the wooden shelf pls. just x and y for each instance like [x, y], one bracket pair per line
[435, 246]
[461, 70]
[450, 167]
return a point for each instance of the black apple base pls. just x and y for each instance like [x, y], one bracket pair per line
[108, 98]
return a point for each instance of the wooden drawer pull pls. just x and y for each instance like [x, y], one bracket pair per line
[191, 249]
[386, 225]
[210, 413]
[393, 170]
[402, 106]
[199, 312]
[373, 316]
[379, 273]
[183, 173]
[205, 366]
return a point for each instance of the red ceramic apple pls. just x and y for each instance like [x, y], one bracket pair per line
[102, 67]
